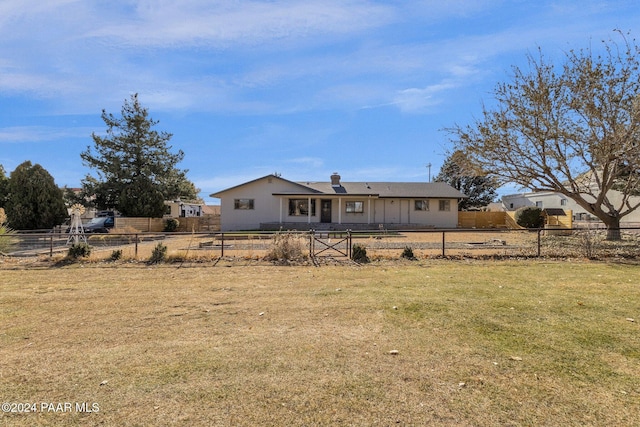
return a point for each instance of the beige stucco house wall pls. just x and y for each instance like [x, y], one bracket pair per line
[273, 202]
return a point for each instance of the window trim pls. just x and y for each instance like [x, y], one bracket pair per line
[444, 205]
[292, 208]
[243, 204]
[354, 206]
[424, 205]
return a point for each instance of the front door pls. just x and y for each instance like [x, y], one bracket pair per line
[325, 211]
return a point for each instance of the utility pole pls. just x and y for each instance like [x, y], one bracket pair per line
[429, 167]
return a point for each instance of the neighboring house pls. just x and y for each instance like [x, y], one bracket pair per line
[541, 199]
[549, 199]
[272, 202]
[180, 209]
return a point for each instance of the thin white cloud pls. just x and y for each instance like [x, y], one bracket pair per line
[332, 54]
[82, 51]
[436, 10]
[419, 99]
[223, 23]
[20, 10]
[20, 134]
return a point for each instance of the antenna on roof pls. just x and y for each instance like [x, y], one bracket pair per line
[429, 167]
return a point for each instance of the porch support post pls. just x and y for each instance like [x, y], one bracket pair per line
[281, 210]
[339, 210]
[369, 211]
[309, 210]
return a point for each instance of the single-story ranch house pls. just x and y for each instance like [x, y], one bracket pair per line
[272, 202]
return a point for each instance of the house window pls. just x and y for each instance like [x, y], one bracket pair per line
[243, 204]
[421, 205]
[300, 207]
[444, 205]
[563, 202]
[539, 205]
[354, 207]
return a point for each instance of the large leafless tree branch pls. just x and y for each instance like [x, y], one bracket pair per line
[573, 129]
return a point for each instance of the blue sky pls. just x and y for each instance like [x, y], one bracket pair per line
[247, 88]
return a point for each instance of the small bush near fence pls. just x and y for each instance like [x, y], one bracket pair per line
[359, 254]
[116, 255]
[159, 254]
[286, 247]
[171, 225]
[79, 250]
[590, 241]
[407, 253]
[529, 217]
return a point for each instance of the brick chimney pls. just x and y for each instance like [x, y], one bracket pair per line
[335, 180]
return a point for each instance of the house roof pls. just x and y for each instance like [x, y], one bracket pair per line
[367, 189]
[272, 176]
[387, 189]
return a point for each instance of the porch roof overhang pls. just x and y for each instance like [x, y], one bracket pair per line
[325, 195]
[357, 195]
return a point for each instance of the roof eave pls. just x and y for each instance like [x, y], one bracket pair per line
[327, 195]
[217, 194]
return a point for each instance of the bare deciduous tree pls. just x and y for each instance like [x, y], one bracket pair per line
[573, 129]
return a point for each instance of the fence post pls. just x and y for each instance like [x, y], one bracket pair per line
[443, 240]
[221, 245]
[51, 246]
[349, 244]
[539, 244]
[311, 243]
[135, 254]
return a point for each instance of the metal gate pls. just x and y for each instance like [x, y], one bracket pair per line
[330, 243]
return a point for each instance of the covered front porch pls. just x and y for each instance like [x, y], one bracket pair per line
[323, 226]
[300, 211]
[355, 212]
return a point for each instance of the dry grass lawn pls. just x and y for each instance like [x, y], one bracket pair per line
[398, 343]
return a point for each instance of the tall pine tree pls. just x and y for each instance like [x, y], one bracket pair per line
[136, 169]
[35, 202]
[457, 172]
